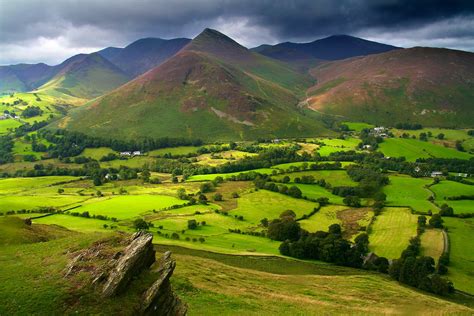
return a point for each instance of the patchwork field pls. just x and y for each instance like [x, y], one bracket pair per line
[413, 149]
[407, 191]
[446, 189]
[391, 231]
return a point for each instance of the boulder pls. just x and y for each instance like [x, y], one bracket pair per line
[160, 299]
[137, 256]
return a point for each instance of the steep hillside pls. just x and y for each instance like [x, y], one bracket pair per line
[144, 54]
[84, 76]
[431, 86]
[330, 48]
[212, 89]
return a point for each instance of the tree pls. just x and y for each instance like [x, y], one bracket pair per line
[264, 222]
[192, 224]
[421, 221]
[459, 146]
[202, 199]
[446, 210]
[284, 229]
[60, 191]
[140, 224]
[295, 192]
[206, 187]
[182, 194]
[436, 221]
[352, 200]
[322, 201]
[175, 236]
[146, 174]
[288, 213]
[440, 136]
[217, 197]
[97, 181]
[285, 179]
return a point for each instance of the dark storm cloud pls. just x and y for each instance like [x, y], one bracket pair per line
[51, 30]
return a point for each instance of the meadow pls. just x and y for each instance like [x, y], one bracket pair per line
[391, 231]
[446, 189]
[408, 191]
[461, 253]
[413, 149]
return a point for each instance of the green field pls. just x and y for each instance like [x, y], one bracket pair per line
[391, 232]
[461, 264]
[181, 150]
[314, 191]
[334, 177]
[413, 149]
[446, 189]
[325, 217]
[265, 204]
[127, 206]
[7, 125]
[97, 153]
[408, 191]
[358, 126]
[212, 176]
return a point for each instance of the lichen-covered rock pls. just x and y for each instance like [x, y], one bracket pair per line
[138, 255]
[160, 299]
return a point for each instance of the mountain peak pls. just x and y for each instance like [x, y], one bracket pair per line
[219, 45]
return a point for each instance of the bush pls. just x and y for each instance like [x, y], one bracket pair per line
[192, 224]
[140, 224]
[217, 197]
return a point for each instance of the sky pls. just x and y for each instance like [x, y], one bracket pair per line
[50, 31]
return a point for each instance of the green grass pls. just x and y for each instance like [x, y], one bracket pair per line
[391, 232]
[408, 191]
[16, 185]
[265, 204]
[7, 125]
[314, 191]
[446, 189]
[181, 150]
[413, 149]
[97, 153]
[461, 265]
[212, 176]
[75, 223]
[127, 206]
[326, 216]
[135, 162]
[238, 286]
[334, 177]
[358, 126]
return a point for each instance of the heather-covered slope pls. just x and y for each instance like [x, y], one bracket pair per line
[212, 89]
[431, 86]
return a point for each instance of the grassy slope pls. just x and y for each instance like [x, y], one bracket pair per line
[391, 232]
[432, 243]
[245, 287]
[85, 78]
[461, 266]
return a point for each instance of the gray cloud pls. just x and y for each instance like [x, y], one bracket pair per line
[52, 30]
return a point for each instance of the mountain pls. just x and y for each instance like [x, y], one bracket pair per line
[431, 86]
[213, 88]
[330, 48]
[84, 76]
[24, 77]
[144, 54]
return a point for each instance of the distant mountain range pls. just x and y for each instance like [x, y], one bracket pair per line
[330, 48]
[211, 87]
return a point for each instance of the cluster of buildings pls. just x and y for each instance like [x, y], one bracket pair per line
[130, 153]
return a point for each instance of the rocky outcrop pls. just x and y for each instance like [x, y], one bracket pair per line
[114, 262]
[160, 299]
[138, 255]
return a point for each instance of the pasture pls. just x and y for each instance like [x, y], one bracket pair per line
[391, 232]
[413, 149]
[266, 204]
[461, 264]
[334, 177]
[408, 191]
[446, 189]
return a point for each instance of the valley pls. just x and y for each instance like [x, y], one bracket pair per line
[331, 177]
